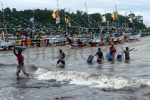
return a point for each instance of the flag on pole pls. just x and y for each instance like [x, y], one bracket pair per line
[56, 16]
[67, 20]
[103, 18]
[32, 19]
[130, 19]
[115, 15]
[57, 20]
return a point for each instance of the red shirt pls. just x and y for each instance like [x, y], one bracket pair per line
[20, 59]
[112, 49]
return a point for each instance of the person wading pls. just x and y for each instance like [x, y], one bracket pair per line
[112, 52]
[21, 66]
[127, 53]
[61, 57]
[99, 55]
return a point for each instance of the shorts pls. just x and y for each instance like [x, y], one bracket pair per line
[19, 68]
[99, 61]
[127, 58]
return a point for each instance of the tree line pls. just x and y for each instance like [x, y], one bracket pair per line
[43, 20]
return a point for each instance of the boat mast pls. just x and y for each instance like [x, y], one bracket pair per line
[33, 25]
[4, 23]
[117, 15]
[88, 17]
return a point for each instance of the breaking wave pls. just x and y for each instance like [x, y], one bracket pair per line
[93, 80]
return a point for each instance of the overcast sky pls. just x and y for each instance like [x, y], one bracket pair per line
[139, 7]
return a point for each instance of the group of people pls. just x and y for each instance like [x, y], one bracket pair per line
[112, 51]
[20, 59]
[99, 55]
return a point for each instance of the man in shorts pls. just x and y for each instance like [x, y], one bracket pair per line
[61, 57]
[127, 53]
[100, 56]
[21, 66]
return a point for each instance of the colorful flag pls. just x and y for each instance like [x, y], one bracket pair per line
[115, 15]
[103, 18]
[130, 19]
[55, 14]
[67, 20]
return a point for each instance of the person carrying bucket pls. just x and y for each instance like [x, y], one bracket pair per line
[99, 55]
[112, 50]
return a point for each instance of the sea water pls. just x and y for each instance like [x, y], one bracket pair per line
[79, 80]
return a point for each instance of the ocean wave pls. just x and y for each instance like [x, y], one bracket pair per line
[2, 64]
[93, 80]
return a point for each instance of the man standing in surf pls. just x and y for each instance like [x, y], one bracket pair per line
[61, 58]
[112, 52]
[127, 53]
[21, 66]
[100, 56]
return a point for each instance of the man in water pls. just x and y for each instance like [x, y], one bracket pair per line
[21, 66]
[100, 56]
[61, 57]
[112, 51]
[127, 53]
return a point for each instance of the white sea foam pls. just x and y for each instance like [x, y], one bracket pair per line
[93, 80]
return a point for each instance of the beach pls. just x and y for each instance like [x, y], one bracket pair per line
[78, 80]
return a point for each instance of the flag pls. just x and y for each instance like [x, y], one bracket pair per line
[130, 19]
[103, 18]
[57, 20]
[115, 15]
[32, 19]
[67, 20]
[56, 16]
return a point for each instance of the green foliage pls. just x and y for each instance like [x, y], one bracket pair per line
[43, 18]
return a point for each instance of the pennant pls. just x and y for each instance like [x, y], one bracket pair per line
[55, 14]
[57, 20]
[32, 19]
[67, 20]
[103, 18]
[130, 19]
[115, 15]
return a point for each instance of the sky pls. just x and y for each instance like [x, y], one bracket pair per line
[124, 7]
